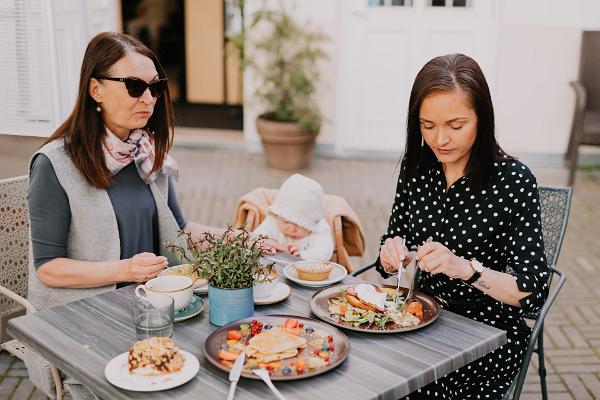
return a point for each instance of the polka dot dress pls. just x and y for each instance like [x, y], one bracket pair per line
[500, 226]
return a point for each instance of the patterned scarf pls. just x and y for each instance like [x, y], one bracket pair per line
[138, 147]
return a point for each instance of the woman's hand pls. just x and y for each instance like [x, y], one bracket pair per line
[436, 258]
[393, 252]
[144, 266]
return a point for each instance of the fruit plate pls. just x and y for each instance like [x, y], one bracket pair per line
[318, 335]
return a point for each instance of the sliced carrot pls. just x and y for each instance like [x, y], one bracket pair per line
[228, 355]
[299, 365]
[416, 309]
[235, 335]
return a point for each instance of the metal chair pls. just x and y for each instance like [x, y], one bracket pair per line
[555, 205]
[585, 129]
[14, 259]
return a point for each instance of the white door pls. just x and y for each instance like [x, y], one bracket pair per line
[384, 43]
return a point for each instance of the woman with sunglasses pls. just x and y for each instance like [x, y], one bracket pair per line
[101, 196]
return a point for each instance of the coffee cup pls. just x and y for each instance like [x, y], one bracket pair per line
[180, 288]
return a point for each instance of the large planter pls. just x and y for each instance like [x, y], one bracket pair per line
[287, 146]
[228, 305]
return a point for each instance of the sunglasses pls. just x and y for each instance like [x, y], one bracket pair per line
[136, 86]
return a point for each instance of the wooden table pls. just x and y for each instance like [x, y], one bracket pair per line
[81, 337]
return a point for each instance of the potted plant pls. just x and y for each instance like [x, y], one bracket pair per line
[230, 262]
[284, 57]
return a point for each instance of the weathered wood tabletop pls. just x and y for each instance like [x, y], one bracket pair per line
[80, 338]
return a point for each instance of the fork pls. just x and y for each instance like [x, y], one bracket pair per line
[264, 375]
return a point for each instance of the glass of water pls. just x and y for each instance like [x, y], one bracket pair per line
[153, 316]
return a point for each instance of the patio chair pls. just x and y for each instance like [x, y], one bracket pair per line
[585, 129]
[347, 232]
[14, 259]
[555, 204]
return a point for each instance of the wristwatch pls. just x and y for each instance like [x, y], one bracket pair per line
[478, 268]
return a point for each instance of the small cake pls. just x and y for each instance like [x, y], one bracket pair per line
[156, 356]
[317, 271]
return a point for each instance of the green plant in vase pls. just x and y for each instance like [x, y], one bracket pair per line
[230, 262]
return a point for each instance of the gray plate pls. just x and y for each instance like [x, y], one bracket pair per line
[319, 304]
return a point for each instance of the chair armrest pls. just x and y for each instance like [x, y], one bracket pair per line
[580, 95]
[21, 300]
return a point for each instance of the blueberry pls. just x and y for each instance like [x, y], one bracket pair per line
[325, 348]
[224, 347]
[309, 329]
[286, 370]
[267, 326]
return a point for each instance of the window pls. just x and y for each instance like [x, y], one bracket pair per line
[450, 3]
[390, 3]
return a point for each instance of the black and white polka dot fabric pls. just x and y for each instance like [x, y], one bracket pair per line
[500, 226]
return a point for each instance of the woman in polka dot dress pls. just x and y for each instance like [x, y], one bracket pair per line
[480, 210]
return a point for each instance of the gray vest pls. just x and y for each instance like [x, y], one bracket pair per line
[93, 236]
[93, 233]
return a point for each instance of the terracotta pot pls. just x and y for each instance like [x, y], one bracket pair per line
[287, 146]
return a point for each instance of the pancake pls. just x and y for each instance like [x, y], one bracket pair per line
[274, 344]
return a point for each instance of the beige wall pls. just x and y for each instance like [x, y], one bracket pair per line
[15, 152]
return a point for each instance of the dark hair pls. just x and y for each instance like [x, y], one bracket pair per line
[84, 129]
[445, 74]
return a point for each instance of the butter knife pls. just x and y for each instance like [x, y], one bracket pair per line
[234, 374]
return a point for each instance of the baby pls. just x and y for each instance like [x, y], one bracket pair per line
[296, 221]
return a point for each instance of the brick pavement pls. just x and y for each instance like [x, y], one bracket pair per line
[212, 180]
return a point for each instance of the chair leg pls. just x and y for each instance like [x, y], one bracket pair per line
[542, 364]
[57, 383]
[573, 165]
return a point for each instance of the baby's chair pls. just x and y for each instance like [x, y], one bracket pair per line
[346, 230]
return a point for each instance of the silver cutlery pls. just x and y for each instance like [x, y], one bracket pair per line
[264, 375]
[234, 374]
[399, 270]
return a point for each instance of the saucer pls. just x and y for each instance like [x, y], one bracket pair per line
[281, 292]
[194, 308]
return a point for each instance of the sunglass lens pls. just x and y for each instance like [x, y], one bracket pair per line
[157, 88]
[135, 87]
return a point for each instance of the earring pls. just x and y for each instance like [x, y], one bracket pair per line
[98, 108]
[422, 141]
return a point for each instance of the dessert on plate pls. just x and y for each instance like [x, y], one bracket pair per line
[317, 271]
[154, 356]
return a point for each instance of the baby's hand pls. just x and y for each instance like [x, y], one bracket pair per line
[270, 246]
[291, 248]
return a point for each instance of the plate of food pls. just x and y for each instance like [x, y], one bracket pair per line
[289, 347]
[151, 365]
[200, 284]
[368, 308]
[315, 273]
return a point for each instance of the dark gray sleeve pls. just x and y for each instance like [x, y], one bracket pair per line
[49, 213]
[174, 206]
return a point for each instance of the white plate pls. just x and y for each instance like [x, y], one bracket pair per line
[117, 373]
[282, 291]
[337, 274]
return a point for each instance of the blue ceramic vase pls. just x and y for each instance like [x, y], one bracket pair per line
[228, 305]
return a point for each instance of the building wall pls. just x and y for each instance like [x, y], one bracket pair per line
[536, 55]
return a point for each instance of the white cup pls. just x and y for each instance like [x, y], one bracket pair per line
[266, 288]
[180, 288]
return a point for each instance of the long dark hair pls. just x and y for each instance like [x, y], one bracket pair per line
[445, 74]
[84, 129]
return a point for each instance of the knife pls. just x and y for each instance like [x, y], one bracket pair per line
[234, 374]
